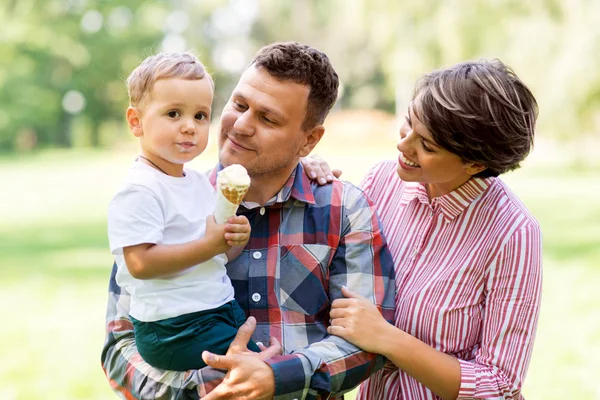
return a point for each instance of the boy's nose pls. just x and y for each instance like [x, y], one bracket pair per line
[188, 127]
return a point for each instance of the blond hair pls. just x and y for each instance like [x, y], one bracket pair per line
[163, 66]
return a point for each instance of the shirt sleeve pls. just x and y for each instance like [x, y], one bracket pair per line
[129, 375]
[363, 263]
[135, 216]
[513, 293]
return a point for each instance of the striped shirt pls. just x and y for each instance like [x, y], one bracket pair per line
[468, 281]
[306, 243]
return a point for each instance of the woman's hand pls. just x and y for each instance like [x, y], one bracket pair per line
[358, 321]
[317, 169]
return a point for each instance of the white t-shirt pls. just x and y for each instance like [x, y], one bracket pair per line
[151, 207]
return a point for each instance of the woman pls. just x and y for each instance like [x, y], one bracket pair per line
[467, 252]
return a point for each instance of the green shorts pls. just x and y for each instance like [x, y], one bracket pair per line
[177, 343]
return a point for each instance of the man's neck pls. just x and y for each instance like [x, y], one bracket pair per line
[263, 189]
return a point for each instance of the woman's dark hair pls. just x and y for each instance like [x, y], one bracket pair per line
[480, 111]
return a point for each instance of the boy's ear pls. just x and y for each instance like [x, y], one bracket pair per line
[313, 137]
[134, 121]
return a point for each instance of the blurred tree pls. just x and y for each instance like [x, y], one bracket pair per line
[63, 62]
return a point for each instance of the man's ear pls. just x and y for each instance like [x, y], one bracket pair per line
[473, 168]
[134, 121]
[313, 136]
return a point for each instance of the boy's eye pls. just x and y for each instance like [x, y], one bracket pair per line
[173, 114]
[201, 116]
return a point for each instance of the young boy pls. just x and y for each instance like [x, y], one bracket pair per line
[168, 248]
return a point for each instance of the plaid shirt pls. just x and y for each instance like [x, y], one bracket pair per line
[306, 243]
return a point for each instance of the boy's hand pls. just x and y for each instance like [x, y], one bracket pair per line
[237, 231]
[215, 235]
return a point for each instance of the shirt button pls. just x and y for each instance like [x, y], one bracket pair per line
[256, 297]
[262, 211]
[256, 255]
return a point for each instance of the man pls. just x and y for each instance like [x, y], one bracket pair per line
[307, 242]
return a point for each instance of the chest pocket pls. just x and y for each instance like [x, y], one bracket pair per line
[303, 277]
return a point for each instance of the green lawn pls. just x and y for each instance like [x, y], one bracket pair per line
[55, 267]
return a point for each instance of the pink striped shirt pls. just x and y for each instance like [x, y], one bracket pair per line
[468, 281]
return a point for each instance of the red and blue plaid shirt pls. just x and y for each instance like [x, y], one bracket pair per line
[306, 243]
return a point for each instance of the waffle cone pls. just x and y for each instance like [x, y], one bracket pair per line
[235, 194]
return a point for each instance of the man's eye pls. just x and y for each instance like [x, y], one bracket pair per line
[238, 106]
[268, 120]
[173, 114]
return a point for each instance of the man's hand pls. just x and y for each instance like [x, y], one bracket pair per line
[248, 376]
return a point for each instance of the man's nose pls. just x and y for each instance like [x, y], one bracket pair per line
[244, 124]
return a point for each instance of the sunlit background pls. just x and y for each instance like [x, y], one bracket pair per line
[64, 149]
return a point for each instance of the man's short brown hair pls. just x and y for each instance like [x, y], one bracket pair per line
[163, 66]
[480, 111]
[307, 66]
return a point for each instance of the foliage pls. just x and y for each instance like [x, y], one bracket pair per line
[379, 47]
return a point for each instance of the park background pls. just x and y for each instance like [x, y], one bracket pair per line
[64, 148]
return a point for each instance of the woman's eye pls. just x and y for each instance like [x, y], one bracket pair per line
[173, 114]
[427, 149]
[407, 118]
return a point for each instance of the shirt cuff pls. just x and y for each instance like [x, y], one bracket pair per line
[468, 380]
[289, 372]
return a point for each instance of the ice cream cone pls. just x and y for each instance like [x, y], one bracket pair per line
[232, 184]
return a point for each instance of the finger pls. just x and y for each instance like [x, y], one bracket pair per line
[261, 346]
[338, 313]
[238, 219]
[217, 361]
[221, 392]
[342, 303]
[274, 349]
[308, 165]
[240, 343]
[325, 170]
[337, 331]
[339, 321]
[237, 228]
[237, 244]
[321, 175]
[236, 237]
[350, 294]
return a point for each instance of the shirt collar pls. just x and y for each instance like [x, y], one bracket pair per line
[451, 204]
[298, 186]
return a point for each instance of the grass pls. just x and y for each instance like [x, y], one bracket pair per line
[55, 267]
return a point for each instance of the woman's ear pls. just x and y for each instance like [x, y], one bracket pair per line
[134, 121]
[473, 168]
